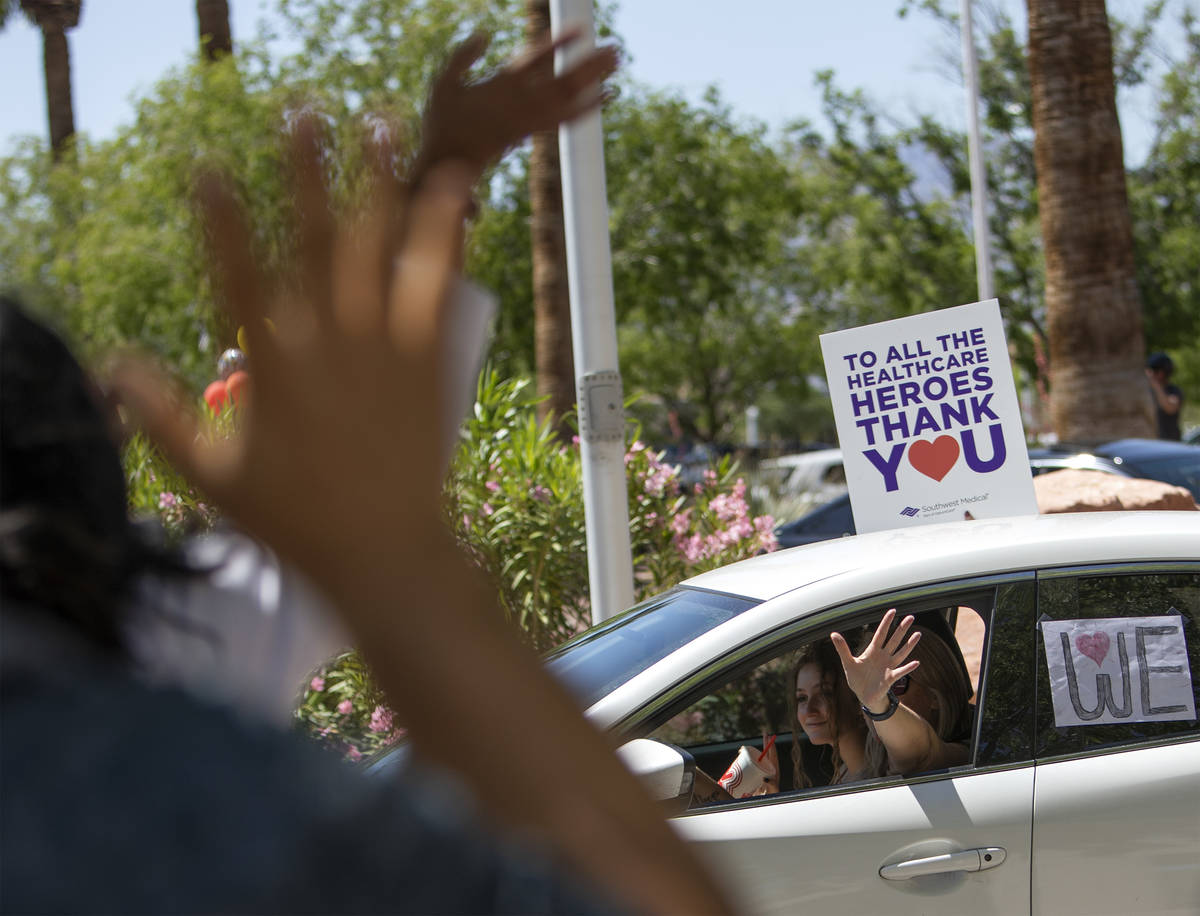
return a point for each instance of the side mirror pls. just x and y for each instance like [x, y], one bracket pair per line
[667, 772]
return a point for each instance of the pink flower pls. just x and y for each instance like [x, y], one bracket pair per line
[353, 753]
[345, 707]
[317, 683]
[466, 521]
[492, 485]
[764, 526]
[381, 720]
[681, 521]
[167, 500]
[540, 493]
[486, 509]
[692, 548]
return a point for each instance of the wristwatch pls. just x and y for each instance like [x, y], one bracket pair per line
[893, 705]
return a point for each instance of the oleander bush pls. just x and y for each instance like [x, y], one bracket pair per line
[514, 500]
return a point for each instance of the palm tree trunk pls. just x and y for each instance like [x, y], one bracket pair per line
[551, 300]
[56, 60]
[54, 18]
[1094, 314]
[212, 17]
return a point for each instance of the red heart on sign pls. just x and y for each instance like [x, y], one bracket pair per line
[1093, 645]
[934, 459]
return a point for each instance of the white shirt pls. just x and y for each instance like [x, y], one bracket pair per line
[246, 631]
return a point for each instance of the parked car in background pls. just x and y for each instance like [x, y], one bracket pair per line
[1152, 459]
[793, 484]
[1176, 463]
[1048, 815]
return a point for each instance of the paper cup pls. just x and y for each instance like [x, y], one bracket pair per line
[744, 776]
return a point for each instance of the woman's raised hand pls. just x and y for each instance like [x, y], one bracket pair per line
[872, 673]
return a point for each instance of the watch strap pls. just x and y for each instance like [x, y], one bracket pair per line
[893, 705]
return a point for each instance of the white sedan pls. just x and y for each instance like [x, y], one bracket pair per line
[1081, 793]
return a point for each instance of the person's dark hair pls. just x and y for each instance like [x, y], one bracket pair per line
[1160, 362]
[67, 546]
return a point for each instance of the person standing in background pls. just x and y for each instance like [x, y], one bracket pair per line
[1168, 398]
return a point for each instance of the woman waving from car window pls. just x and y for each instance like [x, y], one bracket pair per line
[916, 709]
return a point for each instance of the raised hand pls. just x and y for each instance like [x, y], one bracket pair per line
[336, 467]
[477, 122]
[872, 673]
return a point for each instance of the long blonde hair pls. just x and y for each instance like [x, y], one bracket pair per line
[941, 673]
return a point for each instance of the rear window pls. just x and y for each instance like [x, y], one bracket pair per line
[597, 662]
[1179, 470]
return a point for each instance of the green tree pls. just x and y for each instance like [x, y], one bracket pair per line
[702, 208]
[875, 243]
[110, 249]
[122, 262]
[1165, 198]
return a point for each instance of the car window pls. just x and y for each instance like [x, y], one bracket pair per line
[834, 518]
[758, 701]
[1180, 470]
[1006, 714]
[598, 661]
[1117, 660]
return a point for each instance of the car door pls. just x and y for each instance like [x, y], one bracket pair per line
[852, 848]
[1117, 793]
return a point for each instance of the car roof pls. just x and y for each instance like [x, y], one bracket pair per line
[1144, 449]
[929, 553]
[800, 459]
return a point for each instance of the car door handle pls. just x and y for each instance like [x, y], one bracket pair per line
[966, 860]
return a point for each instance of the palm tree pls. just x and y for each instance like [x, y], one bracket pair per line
[551, 301]
[54, 18]
[212, 17]
[1094, 315]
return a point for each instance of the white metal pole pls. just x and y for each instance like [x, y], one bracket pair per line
[594, 338]
[979, 192]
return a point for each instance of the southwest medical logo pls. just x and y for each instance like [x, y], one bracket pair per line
[910, 511]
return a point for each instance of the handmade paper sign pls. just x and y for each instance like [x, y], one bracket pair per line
[1120, 669]
[928, 419]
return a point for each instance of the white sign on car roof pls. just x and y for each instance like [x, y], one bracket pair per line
[928, 419]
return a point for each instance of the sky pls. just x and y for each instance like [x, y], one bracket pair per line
[762, 54]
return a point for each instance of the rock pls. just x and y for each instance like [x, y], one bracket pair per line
[1095, 491]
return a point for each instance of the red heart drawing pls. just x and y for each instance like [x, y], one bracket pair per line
[934, 459]
[1093, 645]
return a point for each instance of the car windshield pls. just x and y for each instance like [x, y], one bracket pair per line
[595, 663]
[1180, 470]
